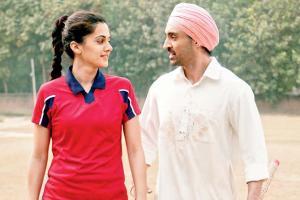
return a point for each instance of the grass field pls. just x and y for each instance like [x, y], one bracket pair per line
[282, 136]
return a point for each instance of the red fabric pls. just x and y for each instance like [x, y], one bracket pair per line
[86, 140]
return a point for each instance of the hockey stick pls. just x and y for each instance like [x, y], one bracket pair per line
[266, 185]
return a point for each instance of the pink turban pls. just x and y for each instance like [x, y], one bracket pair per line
[197, 23]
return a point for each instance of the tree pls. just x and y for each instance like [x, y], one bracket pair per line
[4, 76]
[258, 40]
[264, 48]
[26, 28]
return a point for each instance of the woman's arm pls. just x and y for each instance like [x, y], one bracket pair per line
[136, 158]
[38, 161]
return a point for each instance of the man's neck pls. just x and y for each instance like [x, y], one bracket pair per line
[195, 70]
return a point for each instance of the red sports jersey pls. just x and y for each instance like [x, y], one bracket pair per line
[86, 136]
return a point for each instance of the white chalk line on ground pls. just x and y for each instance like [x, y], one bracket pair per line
[11, 134]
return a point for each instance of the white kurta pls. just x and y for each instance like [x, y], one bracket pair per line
[195, 128]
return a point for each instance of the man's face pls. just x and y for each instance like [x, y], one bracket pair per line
[179, 46]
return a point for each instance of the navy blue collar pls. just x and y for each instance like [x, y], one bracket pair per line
[99, 82]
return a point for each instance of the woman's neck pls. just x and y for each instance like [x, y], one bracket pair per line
[84, 74]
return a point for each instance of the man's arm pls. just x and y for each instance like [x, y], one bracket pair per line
[150, 124]
[149, 120]
[246, 122]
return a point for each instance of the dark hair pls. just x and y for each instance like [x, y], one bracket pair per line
[207, 51]
[204, 48]
[68, 29]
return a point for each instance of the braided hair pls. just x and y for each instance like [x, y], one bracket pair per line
[68, 29]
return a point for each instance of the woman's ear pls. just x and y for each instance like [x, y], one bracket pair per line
[76, 48]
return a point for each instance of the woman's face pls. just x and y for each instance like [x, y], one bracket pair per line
[96, 48]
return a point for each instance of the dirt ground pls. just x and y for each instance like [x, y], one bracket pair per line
[282, 136]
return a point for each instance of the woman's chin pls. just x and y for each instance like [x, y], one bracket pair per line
[103, 65]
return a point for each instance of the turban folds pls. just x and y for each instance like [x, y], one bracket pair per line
[197, 23]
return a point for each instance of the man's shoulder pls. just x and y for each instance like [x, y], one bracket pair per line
[233, 82]
[164, 81]
[231, 78]
[166, 77]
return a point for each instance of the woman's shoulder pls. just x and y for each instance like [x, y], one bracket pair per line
[53, 85]
[117, 80]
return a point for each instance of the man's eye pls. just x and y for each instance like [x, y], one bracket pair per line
[100, 41]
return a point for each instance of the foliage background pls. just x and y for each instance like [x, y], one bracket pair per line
[259, 40]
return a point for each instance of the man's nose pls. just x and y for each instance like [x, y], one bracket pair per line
[167, 44]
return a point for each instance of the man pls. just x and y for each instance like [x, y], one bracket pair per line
[196, 116]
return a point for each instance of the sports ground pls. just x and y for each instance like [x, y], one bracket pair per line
[282, 136]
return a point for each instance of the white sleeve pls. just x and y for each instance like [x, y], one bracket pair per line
[246, 123]
[149, 120]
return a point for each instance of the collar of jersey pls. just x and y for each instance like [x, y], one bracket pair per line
[99, 81]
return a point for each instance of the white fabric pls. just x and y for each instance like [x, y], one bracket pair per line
[195, 128]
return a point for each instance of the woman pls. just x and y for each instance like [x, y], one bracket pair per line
[83, 113]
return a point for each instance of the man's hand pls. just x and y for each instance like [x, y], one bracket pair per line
[254, 190]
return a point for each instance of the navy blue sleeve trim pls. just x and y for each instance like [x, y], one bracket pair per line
[48, 103]
[126, 99]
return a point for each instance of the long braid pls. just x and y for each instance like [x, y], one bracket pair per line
[58, 47]
[78, 25]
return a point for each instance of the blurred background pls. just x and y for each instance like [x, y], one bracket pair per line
[259, 41]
